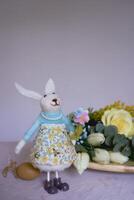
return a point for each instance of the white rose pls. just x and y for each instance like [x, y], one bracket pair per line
[117, 157]
[96, 139]
[101, 156]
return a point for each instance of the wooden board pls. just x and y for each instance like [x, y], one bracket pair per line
[125, 168]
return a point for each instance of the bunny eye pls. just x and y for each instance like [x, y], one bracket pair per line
[53, 93]
[45, 95]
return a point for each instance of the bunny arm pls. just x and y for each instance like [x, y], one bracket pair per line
[68, 123]
[27, 136]
[30, 132]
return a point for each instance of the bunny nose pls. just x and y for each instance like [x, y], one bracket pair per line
[54, 100]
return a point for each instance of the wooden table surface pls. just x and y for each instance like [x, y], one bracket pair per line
[91, 185]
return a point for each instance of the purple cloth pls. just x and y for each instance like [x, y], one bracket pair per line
[91, 184]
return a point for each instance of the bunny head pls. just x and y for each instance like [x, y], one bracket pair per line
[50, 102]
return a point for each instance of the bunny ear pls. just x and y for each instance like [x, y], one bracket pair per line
[27, 93]
[50, 87]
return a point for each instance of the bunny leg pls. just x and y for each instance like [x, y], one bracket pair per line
[58, 184]
[48, 176]
[49, 186]
[57, 174]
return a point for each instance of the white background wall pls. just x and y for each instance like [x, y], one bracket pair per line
[86, 46]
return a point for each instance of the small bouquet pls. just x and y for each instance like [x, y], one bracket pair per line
[103, 136]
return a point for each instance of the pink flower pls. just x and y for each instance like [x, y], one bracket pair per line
[81, 116]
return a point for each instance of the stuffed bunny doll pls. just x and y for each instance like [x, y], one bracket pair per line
[52, 150]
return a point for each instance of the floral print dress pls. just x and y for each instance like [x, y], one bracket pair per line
[52, 149]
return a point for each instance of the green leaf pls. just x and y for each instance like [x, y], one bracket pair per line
[89, 148]
[80, 148]
[132, 155]
[108, 141]
[126, 151]
[117, 147]
[99, 128]
[133, 142]
[110, 130]
[116, 139]
[120, 139]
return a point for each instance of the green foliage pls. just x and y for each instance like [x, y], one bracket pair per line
[110, 131]
[132, 142]
[117, 142]
[114, 141]
[85, 147]
[132, 148]
[89, 148]
[99, 128]
[108, 141]
[120, 139]
[80, 148]
[127, 151]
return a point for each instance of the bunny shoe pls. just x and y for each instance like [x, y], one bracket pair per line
[49, 187]
[61, 186]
